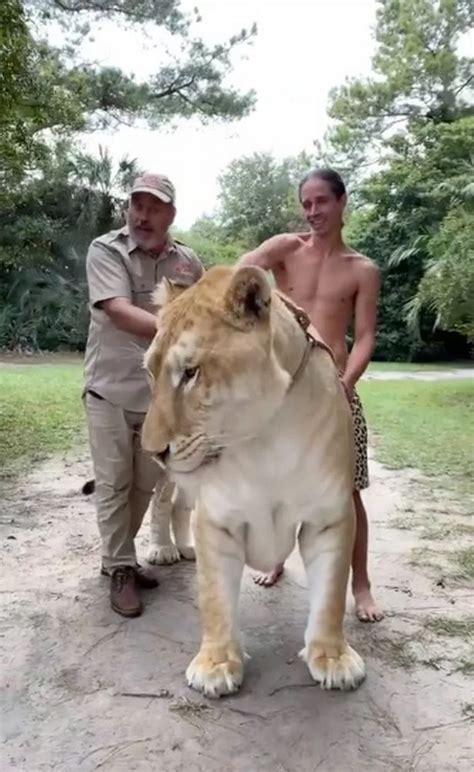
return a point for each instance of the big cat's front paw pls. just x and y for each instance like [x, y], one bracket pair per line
[187, 552]
[163, 556]
[216, 671]
[334, 667]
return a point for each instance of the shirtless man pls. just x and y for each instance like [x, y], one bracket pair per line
[335, 286]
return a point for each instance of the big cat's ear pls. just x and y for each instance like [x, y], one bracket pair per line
[248, 296]
[166, 291]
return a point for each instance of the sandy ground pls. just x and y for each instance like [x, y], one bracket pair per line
[419, 375]
[84, 689]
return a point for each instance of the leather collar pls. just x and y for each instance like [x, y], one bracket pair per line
[311, 340]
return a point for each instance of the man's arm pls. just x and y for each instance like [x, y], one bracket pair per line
[109, 289]
[129, 318]
[268, 255]
[365, 323]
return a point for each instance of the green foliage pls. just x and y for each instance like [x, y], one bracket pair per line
[210, 250]
[415, 116]
[46, 87]
[17, 67]
[447, 286]
[209, 241]
[44, 237]
[258, 197]
[401, 210]
[166, 13]
[418, 78]
[46, 309]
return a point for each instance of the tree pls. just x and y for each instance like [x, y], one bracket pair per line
[44, 237]
[100, 192]
[258, 196]
[17, 66]
[212, 250]
[418, 78]
[46, 87]
[447, 286]
[210, 242]
[402, 210]
[405, 138]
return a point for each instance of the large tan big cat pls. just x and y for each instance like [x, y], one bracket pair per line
[250, 420]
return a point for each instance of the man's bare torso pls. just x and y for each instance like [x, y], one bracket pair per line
[325, 286]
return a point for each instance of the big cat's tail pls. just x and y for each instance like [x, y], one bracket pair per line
[88, 488]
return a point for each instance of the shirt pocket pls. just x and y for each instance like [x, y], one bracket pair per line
[142, 293]
[180, 271]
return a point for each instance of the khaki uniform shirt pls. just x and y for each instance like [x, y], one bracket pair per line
[116, 267]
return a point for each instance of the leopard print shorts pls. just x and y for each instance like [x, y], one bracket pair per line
[361, 480]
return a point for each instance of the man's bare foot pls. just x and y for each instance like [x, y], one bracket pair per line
[266, 580]
[366, 608]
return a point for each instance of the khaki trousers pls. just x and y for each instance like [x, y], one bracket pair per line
[125, 478]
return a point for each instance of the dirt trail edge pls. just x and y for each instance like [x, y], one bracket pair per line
[84, 689]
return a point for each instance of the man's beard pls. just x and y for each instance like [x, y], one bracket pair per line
[147, 239]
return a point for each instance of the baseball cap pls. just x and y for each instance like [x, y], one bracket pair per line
[156, 185]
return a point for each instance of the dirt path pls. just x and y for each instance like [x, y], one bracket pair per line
[83, 689]
[418, 375]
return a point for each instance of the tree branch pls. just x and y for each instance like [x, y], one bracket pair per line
[87, 5]
[163, 13]
[76, 6]
[463, 86]
[174, 88]
[197, 105]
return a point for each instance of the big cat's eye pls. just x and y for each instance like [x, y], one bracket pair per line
[188, 374]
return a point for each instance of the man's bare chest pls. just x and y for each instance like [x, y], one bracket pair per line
[307, 280]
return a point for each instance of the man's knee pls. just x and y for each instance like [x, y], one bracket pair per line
[112, 500]
[149, 478]
[107, 489]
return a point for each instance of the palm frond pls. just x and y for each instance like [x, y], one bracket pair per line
[412, 314]
[404, 253]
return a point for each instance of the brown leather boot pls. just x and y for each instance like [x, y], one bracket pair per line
[124, 594]
[146, 579]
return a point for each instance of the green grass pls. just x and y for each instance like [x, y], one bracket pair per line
[41, 412]
[436, 531]
[428, 425]
[455, 628]
[464, 561]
